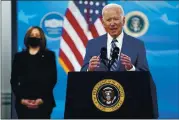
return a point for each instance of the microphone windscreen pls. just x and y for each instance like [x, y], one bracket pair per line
[116, 50]
[103, 52]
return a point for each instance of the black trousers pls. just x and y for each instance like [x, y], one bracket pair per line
[43, 112]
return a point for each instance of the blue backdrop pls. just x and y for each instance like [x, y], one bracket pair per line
[161, 42]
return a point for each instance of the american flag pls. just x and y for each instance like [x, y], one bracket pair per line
[82, 22]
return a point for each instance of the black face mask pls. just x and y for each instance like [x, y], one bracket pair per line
[33, 41]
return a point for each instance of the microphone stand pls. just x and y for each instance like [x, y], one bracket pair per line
[110, 64]
[114, 56]
[103, 60]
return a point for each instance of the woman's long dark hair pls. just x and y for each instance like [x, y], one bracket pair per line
[42, 36]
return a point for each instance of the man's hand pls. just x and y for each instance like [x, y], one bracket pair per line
[93, 63]
[126, 61]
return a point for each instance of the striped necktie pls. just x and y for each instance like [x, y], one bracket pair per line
[115, 64]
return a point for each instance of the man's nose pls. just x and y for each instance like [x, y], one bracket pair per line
[112, 23]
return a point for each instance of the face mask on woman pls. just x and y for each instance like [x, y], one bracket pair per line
[34, 41]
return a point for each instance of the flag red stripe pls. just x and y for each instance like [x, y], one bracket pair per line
[77, 27]
[71, 44]
[93, 31]
[66, 60]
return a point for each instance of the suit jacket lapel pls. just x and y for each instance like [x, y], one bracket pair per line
[124, 50]
[104, 41]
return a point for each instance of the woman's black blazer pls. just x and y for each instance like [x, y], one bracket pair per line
[40, 84]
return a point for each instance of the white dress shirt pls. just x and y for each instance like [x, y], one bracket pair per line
[118, 44]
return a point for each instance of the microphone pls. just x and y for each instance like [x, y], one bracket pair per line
[115, 53]
[114, 56]
[103, 54]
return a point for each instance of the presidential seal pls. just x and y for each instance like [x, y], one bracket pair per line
[108, 95]
[136, 24]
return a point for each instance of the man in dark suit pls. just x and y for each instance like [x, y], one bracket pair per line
[132, 53]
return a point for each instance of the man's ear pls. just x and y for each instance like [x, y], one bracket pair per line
[124, 20]
[103, 23]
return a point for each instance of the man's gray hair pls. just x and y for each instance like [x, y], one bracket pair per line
[111, 5]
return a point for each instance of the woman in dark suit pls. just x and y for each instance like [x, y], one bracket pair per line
[33, 77]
